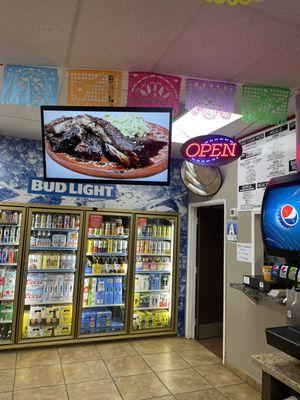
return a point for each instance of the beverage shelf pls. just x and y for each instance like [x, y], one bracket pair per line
[153, 255]
[11, 299]
[105, 305]
[151, 308]
[5, 322]
[8, 264]
[108, 237]
[154, 238]
[151, 291]
[12, 225]
[52, 248]
[107, 274]
[107, 254]
[53, 270]
[48, 303]
[152, 272]
[56, 229]
[9, 244]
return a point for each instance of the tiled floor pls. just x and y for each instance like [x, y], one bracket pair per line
[215, 345]
[162, 369]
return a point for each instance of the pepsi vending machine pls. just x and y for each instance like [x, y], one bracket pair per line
[280, 222]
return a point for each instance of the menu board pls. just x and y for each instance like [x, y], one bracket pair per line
[266, 155]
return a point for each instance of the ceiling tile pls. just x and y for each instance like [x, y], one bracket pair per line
[35, 32]
[128, 35]
[278, 68]
[223, 41]
[283, 10]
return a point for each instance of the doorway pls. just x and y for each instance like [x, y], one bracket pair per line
[210, 277]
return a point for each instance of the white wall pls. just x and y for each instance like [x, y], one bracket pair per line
[245, 322]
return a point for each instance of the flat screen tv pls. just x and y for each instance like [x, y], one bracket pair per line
[280, 217]
[114, 145]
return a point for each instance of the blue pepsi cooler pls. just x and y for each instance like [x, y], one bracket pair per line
[275, 272]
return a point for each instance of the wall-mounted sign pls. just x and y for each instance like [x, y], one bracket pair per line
[211, 150]
[244, 252]
[231, 231]
[101, 192]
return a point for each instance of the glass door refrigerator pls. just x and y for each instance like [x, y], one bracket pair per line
[103, 307]
[155, 291]
[12, 221]
[49, 291]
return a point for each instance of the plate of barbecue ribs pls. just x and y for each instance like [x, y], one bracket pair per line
[95, 146]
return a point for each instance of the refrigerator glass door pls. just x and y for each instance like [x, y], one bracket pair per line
[104, 294]
[51, 264]
[154, 281]
[11, 239]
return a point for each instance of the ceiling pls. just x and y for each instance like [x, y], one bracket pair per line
[253, 44]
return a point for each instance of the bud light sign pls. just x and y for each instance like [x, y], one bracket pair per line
[211, 150]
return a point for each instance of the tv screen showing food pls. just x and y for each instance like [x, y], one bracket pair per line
[116, 145]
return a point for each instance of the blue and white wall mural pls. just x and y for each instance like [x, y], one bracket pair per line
[21, 172]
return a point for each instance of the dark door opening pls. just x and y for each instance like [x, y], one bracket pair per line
[210, 278]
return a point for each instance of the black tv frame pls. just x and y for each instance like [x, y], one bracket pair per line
[281, 181]
[83, 109]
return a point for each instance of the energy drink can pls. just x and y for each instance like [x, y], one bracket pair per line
[169, 231]
[54, 221]
[37, 221]
[119, 246]
[77, 221]
[73, 221]
[107, 228]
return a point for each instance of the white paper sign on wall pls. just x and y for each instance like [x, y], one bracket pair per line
[244, 252]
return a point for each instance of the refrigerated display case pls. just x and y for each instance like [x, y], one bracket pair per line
[12, 221]
[49, 291]
[104, 282]
[154, 294]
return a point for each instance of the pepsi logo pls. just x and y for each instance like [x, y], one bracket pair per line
[288, 216]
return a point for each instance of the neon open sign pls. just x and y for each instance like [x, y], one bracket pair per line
[211, 150]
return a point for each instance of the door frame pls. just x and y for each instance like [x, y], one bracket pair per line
[192, 268]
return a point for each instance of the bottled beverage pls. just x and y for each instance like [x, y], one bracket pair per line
[73, 221]
[1, 235]
[4, 255]
[37, 221]
[11, 254]
[105, 246]
[12, 235]
[114, 228]
[16, 256]
[107, 229]
[67, 221]
[60, 221]
[15, 218]
[115, 246]
[43, 220]
[124, 246]
[17, 239]
[77, 221]
[49, 221]
[6, 235]
[54, 221]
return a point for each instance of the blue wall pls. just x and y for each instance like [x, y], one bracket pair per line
[21, 159]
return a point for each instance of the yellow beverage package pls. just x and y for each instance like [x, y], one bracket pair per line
[51, 261]
[25, 325]
[63, 329]
[65, 315]
[137, 299]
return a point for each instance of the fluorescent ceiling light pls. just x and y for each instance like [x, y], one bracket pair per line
[191, 125]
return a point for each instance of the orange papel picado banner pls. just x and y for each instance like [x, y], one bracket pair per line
[94, 88]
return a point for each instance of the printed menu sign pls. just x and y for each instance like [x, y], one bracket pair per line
[265, 155]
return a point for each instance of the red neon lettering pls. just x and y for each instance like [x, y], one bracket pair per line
[216, 149]
[187, 151]
[229, 149]
[205, 148]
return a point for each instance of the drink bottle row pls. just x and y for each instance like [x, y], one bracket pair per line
[106, 228]
[9, 235]
[10, 217]
[55, 221]
[107, 246]
[106, 265]
[50, 239]
[153, 247]
[159, 231]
